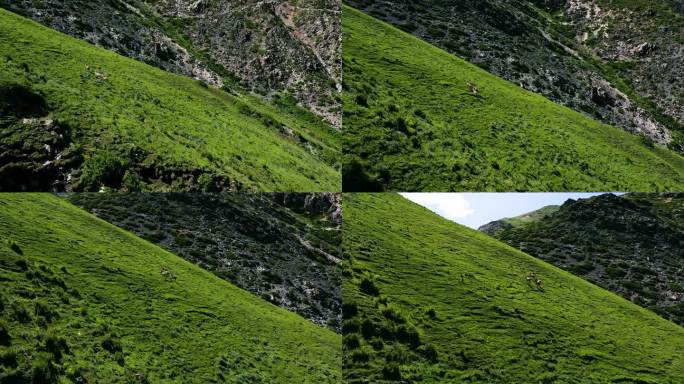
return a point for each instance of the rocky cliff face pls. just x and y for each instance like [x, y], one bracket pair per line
[282, 247]
[632, 245]
[644, 41]
[313, 204]
[265, 46]
[535, 44]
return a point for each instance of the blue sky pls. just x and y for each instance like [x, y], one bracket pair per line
[476, 209]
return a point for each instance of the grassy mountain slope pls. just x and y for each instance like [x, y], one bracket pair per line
[428, 300]
[632, 245]
[265, 46]
[83, 298]
[517, 221]
[411, 123]
[78, 117]
[542, 46]
[289, 258]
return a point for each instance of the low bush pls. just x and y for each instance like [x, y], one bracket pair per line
[430, 312]
[391, 371]
[112, 344]
[8, 358]
[430, 353]
[349, 310]
[408, 335]
[368, 329]
[43, 371]
[15, 247]
[393, 314]
[397, 354]
[350, 326]
[19, 313]
[42, 309]
[352, 341]
[377, 344]
[23, 264]
[56, 345]
[360, 356]
[5, 338]
[368, 287]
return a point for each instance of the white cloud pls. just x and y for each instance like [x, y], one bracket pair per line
[451, 206]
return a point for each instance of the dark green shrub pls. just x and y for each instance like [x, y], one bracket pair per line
[249, 378]
[355, 178]
[42, 309]
[361, 100]
[393, 314]
[368, 329]
[397, 354]
[8, 358]
[43, 371]
[391, 371]
[360, 356]
[23, 264]
[352, 341]
[430, 353]
[15, 247]
[349, 310]
[5, 338]
[408, 335]
[368, 287]
[111, 343]
[431, 313]
[103, 169]
[377, 344]
[19, 313]
[350, 326]
[56, 345]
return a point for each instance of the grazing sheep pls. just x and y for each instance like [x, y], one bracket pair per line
[472, 88]
[167, 274]
[532, 278]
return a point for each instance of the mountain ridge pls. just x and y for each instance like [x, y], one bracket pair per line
[629, 244]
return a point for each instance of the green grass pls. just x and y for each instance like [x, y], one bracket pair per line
[427, 300]
[82, 298]
[166, 130]
[530, 217]
[412, 124]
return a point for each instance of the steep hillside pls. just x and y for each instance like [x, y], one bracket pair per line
[632, 245]
[418, 118]
[427, 300]
[285, 252]
[643, 41]
[266, 46]
[77, 117]
[513, 222]
[563, 50]
[84, 301]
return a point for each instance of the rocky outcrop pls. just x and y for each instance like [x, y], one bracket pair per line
[645, 40]
[313, 204]
[265, 46]
[36, 153]
[519, 41]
